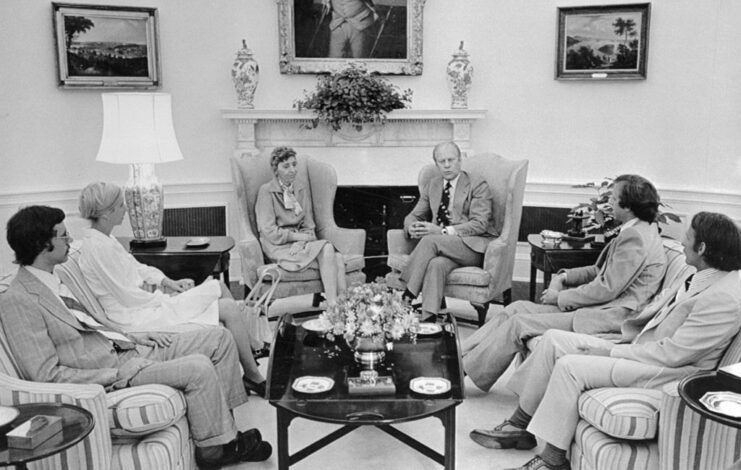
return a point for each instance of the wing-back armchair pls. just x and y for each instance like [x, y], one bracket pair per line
[251, 172]
[478, 285]
[140, 427]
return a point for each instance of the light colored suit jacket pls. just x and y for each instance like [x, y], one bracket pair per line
[471, 211]
[627, 274]
[692, 333]
[49, 343]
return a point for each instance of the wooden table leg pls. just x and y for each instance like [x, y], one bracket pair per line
[533, 278]
[284, 421]
[546, 279]
[449, 425]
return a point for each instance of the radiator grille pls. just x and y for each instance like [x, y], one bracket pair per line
[194, 221]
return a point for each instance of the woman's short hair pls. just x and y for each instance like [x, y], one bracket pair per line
[96, 199]
[638, 195]
[721, 238]
[279, 155]
[30, 230]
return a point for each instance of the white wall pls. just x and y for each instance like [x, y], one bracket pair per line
[680, 127]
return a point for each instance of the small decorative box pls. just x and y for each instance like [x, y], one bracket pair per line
[33, 432]
[365, 385]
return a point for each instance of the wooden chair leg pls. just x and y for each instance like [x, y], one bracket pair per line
[316, 300]
[507, 297]
[481, 311]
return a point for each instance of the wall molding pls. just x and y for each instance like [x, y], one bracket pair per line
[684, 202]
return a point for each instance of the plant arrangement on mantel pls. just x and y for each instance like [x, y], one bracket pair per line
[352, 96]
[595, 216]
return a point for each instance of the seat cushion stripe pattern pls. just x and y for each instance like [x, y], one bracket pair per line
[598, 451]
[169, 448]
[144, 409]
[689, 441]
[624, 413]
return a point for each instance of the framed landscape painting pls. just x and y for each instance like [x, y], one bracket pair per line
[106, 46]
[602, 42]
[318, 36]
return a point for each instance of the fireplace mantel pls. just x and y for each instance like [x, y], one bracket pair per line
[389, 154]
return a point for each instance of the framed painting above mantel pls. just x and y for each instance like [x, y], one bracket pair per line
[602, 42]
[100, 46]
[321, 36]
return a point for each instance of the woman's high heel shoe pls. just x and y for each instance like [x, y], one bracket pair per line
[254, 387]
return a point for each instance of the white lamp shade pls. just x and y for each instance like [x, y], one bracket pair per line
[137, 128]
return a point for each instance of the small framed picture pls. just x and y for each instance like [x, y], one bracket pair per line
[102, 46]
[602, 42]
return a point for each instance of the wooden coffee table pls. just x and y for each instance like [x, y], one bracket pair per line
[76, 425]
[297, 352]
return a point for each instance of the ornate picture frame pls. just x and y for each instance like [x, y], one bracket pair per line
[607, 42]
[100, 46]
[318, 36]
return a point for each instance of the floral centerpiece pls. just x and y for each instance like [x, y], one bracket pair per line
[353, 96]
[370, 314]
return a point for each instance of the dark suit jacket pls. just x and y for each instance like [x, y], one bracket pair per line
[471, 211]
[48, 342]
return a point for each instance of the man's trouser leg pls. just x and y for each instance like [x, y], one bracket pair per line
[428, 248]
[530, 379]
[204, 365]
[485, 363]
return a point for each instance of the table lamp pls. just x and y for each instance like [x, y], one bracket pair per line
[138, 130]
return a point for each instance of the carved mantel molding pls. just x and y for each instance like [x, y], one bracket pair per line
[403, 143]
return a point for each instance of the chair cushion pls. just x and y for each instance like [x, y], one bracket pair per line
[469, 276]
[353, 262]
[595, 450]
[169, 448]
[144, 409]
[397, 261]
[625, 413]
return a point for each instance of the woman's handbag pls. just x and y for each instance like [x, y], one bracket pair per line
[256, 310]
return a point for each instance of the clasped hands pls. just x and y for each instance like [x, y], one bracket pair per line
[180, 285]
[419, 229]
[300, 244]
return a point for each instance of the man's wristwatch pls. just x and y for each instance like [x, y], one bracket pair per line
[444, 231]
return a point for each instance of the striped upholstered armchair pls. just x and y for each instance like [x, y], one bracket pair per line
[640, 429]
[139, 427]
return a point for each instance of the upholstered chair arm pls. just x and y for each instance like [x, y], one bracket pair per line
[94, 451]
[398, 243]
[687, 440]
[345, 240]
[251, 257]
[495, 260]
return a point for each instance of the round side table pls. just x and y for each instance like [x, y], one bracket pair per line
[76, 425]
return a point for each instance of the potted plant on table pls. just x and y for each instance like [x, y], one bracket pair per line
[595, 216]
[352, 96]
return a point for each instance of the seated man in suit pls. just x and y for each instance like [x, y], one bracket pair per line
[454, 224]
[55, 339]
[689, 334]
[592, 299]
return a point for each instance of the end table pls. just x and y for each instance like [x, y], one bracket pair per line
[551, 259]
[76, 425]
[179, 261]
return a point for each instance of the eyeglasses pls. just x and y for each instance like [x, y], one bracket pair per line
[66, 238]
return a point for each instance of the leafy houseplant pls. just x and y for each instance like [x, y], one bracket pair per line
[352, 96]
[596, 216]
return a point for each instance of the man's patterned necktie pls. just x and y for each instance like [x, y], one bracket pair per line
[443, 212]
[119, 340]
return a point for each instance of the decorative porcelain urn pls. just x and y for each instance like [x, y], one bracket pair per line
[245, 74]
[460, 75]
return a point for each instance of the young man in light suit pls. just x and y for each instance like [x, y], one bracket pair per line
[689, 334]
[591, 299]
[54, 339]
[453, 230]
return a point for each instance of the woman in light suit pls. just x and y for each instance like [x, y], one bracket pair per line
[287, 230]
[116, 278]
